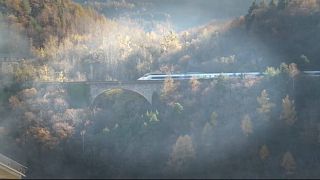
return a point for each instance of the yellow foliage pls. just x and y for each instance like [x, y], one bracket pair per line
[265, 105]
[14, 102]
[61, 77]
[195, 84]
[288, 114]
[43, 136]
[169, 86]
[182, 154]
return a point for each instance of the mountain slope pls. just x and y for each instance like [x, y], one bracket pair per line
[267, 36]
[41, 19]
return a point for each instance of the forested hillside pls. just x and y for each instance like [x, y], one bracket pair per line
[269, 34]
[40, 20]
[262, 127]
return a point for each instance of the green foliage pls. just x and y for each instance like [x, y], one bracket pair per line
[305, 59]
[35, 24]
[152, 116]
[284, 68]
[178, 108]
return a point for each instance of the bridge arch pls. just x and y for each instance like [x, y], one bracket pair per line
[145, 89]
[114, 89]
[118, 107]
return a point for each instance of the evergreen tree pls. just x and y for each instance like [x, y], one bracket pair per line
[250, 15]
[252, 7]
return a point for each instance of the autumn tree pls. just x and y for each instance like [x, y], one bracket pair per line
[195, 84]
[271, 71]
[288, 114]
[170, 42]
[293, 72]
[45, 73]
[264, 102]
[206, 134]
[288, 163]
[182, 154]
[25, 72]
[169, 86]
[246, 125]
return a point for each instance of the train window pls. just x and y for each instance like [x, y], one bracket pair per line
[157, 77]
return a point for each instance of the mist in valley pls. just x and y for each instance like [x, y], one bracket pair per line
[225, 127]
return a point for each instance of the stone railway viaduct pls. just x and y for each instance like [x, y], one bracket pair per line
[143, 88]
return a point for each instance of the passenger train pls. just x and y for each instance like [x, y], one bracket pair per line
[198, 75]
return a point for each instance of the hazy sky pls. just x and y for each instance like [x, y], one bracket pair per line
[183, 14]
[189, 13]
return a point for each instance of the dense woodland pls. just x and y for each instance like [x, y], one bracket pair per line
[223, 128]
